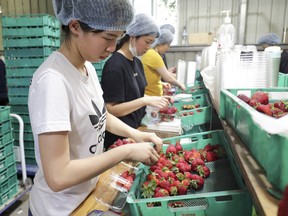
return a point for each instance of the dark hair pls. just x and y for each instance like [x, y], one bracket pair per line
[66, 31]
[123, 40]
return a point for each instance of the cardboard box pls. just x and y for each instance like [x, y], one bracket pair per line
[204, 38]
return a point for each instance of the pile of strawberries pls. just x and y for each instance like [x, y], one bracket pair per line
[190, 106]
[120, 142]
[178, 171]
[260, 101]
[167, 114]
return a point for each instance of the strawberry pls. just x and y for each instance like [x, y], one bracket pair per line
[266, 109]
[260, 97]
[186, 182]
[178, 147]
[173, 190]
[283, 204]
[182, 190]
[162, 160]
[119, 142]
[211, 156]
[244, 98]
[280, 105]
[183, 167]
[220, 151]
[161, 193]
[163, 183]
[180, 176]
[197, 182]
[175, 183]
[188, 175]
[148, 189]
[124, 174]
[150, 176]
[132, 175]
[196, 162]
[209, 147]
[171, 175]
[171, 150]
[277, 113]
[203, 171]
[191, 155]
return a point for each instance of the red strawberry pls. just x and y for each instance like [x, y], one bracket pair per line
[186, 182]
[150, 176]
[162, 160]
[211, 156]
[119, 142]
[203, 171]
[209, 147]
[124, 174]
[171, 175]
[277, 113]
[244, 98]
[163, 183]
[191, 155]
[280, 105]
[161, 193]
[197, 182]
[133, 175]
[260, 97]
[266, 109]
[171, 150]
[188, 175]
[178, 147]
[283, 204]
[182, 190]
[183, 167]
[175, 183]
[196, 162]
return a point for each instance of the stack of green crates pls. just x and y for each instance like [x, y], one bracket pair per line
[8, 172]
[99, 67]
[27, 40]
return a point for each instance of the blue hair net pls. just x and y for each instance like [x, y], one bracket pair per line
[97, 14]
[168, 27]
[270, 39]
[142, 25]
[166, 37]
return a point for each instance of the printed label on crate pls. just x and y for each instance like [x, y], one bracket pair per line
[17, 153]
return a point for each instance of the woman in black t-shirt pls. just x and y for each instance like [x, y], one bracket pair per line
[123, 79]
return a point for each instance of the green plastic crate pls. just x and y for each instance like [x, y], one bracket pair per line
[18, 100]
[28, 31]
[31, 42]
[10, 181]
[197, 88]
[25, 62]
[8, 194]
[30, 20]
[282, 80]
[6, 138]
[7, 166]
[15, 126]
[4, 113]
[197, 116]
[20, 72]
[28, 144]
[6, 150]
[5, 127]
[224, 194]
[18, 91]
[19, 108]
[270, 150]
[29, 52]
[18, 82]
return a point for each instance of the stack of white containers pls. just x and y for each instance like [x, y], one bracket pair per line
[242, 68]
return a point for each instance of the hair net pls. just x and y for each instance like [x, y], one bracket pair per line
[168, 27]
[97, 14]
[142, 25]
[166, 37]
[269, 39]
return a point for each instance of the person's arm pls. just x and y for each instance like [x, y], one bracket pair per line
[61, 173]
[168, 77]
[125, 108]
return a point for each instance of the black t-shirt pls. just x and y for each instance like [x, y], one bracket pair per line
[123, 80]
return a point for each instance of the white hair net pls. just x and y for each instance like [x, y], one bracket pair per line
[270, 39]
[142, 25]
[166, 37]
[168, 27]
[97, 14]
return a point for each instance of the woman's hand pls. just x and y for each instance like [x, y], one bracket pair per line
[166, 85]
[183, 87]
[142, 152]
[173, 70]
[157, 102]
[149, 137]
